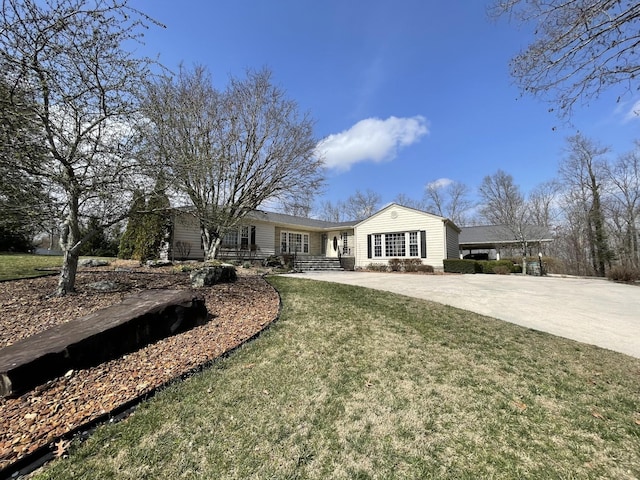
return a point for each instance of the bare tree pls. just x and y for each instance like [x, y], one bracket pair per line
[406, 201]
[333, 211]
[581, 48]
[69, 56]
[362, 205]
[356, 207]
[230, 151]
[543, 204]
[623, 178]
[448, 199]
[582, 172]
[504, 206]
[300, 205]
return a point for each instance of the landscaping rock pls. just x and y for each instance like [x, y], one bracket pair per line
[106, 286]
[208, 276]
[158, 263]
[92, 262]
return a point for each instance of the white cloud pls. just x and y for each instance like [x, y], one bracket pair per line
[633, 113]
[372, 140]
[440, 183]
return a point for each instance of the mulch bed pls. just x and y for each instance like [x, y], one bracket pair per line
[49, 412]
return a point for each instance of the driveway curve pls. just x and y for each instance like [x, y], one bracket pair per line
[589, 310]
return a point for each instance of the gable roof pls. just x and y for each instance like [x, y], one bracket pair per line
[500, 234]
[397, 205]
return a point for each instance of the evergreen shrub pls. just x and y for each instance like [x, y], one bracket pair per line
[454, 265]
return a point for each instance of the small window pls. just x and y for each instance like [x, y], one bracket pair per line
[377, 245]
[413, 244]
[344, 236]
[244, 238]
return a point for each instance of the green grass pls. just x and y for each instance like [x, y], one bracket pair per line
[22, 265]
[352, 383]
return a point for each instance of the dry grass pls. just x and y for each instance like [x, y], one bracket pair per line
[355, 383]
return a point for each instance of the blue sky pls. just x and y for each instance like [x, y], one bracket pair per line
[403, 93]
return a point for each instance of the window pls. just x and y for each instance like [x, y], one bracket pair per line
[244, 238]
[394, 245]
[295, 242]
[345, 243]
[239, 237]
[377, 245]
[291, 242]
[230, 238]
[413, 244]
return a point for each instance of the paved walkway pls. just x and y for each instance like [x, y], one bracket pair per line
[593, 311]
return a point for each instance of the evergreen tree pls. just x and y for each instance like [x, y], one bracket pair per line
[129, 240]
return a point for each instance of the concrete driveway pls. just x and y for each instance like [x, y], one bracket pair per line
[593, 311]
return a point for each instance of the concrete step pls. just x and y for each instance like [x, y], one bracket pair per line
[318, 264]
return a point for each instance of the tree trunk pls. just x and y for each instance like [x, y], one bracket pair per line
[67, 280]
[214, 247]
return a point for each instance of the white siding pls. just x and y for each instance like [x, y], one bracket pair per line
[265, 238]
[398, 219]
[187, 231]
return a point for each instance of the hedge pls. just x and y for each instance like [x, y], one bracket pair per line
[488, 266]
[461, 266]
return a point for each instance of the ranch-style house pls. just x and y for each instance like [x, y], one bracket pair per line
[393, 232]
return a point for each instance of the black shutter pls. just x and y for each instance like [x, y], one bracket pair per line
[423, 244]
[253, 234]
[368, 246]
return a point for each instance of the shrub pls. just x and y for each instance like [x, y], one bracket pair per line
[488, 266]
[288, 259]
[191, 266]
[624, 273]
[425, 268]
[14, 240]
[516, 269]
[411, 264]
[247, 265]
[272, 261]
[502, 270]
[395, 264]
[183, 249]
[461, 266]
[377, 267]
[553, 265]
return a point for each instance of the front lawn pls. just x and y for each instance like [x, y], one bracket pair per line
[353, 383]
[24, 265]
